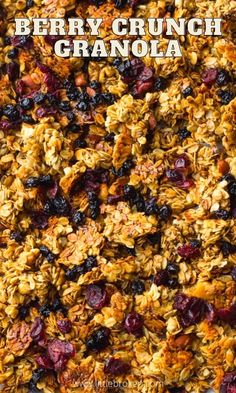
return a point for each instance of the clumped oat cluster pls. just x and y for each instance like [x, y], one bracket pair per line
[117, 207]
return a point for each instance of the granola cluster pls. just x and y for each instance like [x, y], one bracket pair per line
[117, 208]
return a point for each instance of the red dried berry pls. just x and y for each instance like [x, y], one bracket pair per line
[228, 384]
[64, 325]
[209, 76]
[185, 184]
[116, 367]
[190, 309]
[37, 332]
[44, 362]
[39, 219]
[182, 163]
[60, 352]
[227, 314]
[134, 323]
[96, 296]
[6, 125]
[188, 251]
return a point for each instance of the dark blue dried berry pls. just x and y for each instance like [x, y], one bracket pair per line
[26, 103]
[13, 53]
[137, 287]
[98, 340]
[164, 212]
[78, 217]
[221, 214]
[73, 273]
[188, 91]
[184, 134]
[225, 96]
[45, 310]
[223, 77]
[47, 253]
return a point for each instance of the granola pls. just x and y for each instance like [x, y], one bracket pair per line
[117, 207]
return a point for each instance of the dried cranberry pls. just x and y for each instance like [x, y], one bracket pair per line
[51, 80]
[37, 332]
[188, 251]
[209, 76]
[185, 184]
[228, 384]
[134, 323]
[45, 362]
[141, 88]
[162, 278]
[116, 367]
[22, 41]
[113, 199]
[52, 39]
[45, 111]
[39, 219]
[64, 325]
[13, 70]
[96, 296]
[130, 70]
[6, 125]
[190, 309]
[60, 352]
[227, 314]
[182, 162]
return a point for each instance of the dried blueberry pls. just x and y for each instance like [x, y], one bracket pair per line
[90, 263]
[221, 214]
[23, 312]
[80, 144]
[162, 278]
[17, 236]
[11, 112]
[64, 106]
[110, 137]
[45, 310]
[26, 103]
[39, 98]
[95, 85]
[174, 175]
[164, 212]
[120, 3]
[160, 84]
[188, 91]
[184, 134]
[225, 96]
[73, 273]
[47, 253]
[99, 339]
[138, 287]
[227, 248]
[223, 77]
[13, 53]
[27, 119]
[151, 207]
[94, 205]
[78, 217]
